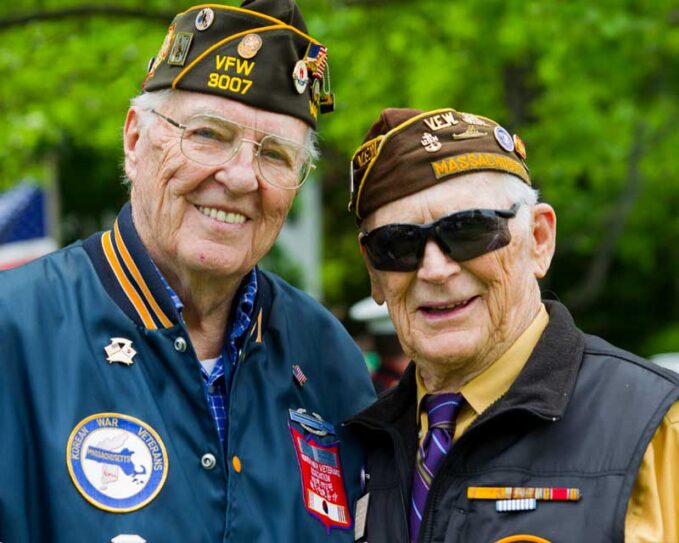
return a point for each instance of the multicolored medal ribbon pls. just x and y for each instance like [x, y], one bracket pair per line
[510, 499]
[555, 494]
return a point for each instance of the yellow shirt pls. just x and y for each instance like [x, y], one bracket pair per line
[653, 510]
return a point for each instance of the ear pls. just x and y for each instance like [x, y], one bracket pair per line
[375, 289]
[543, 238]
[131, 135]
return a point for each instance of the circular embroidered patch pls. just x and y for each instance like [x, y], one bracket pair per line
[117, 462]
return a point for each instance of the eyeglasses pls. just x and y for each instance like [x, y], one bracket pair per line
[462, 236]
[212, 141]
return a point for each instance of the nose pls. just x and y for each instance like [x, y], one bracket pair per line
[239, 175]
[436, 266]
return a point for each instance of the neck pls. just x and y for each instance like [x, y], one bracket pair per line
[207, 304]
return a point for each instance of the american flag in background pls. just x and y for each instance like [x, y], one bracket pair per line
[24, 225]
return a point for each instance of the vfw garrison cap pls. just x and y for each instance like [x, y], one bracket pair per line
[409, 150]
[259, 54]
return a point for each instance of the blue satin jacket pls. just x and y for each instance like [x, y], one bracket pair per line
[105, 431]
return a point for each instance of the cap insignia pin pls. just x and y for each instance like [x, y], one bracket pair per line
[316, 91]
[327, 102]
[152, 62]
[519, 147]
[300, 76]
[204, 19]
[316, 59]
[504, 139]
[250, 45]
[180, 49]
[162, 52]
[120, 350]
[471, 133]
[470, 118]
[430, 142]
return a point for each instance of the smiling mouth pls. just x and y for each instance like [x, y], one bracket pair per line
[447, 309]
[222, 216]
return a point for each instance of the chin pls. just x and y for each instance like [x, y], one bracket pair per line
[450, 350]
[209, 262]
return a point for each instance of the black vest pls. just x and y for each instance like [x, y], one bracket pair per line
[580, 415]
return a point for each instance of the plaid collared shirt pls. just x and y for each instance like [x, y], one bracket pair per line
[218, 382]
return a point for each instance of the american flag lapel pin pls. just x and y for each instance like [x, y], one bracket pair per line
[298, 374]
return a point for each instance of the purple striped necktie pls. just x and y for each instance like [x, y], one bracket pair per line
[441, 411]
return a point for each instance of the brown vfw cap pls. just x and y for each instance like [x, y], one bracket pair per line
[408, 150]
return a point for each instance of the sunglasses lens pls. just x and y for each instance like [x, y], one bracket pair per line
[462, 236]
[466, 237]
[395, 247]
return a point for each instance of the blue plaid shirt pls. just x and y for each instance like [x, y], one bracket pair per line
[218, 382]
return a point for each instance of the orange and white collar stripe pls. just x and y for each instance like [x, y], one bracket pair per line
[131, 281]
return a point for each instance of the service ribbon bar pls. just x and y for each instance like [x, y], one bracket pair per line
[513, 506]
[556, 494]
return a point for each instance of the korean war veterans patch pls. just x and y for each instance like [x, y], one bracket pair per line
[118, 463]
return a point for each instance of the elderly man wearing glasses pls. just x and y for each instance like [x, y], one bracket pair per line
[511, 425]
[156, 385]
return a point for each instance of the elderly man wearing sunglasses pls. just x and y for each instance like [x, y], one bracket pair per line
[510, 425]
[156, 384]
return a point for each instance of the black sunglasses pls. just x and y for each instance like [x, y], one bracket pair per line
[462, 236]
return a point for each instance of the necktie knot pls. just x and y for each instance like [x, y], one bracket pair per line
[442, 409]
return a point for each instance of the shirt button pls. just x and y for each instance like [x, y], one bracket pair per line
[208, 461]
[180, 344]
[235, 461]
[211, 389]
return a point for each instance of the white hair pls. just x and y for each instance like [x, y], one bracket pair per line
[518, 192]
[506, 187]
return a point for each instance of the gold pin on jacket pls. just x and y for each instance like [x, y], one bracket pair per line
[120, 350]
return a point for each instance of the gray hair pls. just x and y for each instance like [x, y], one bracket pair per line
[509, 188]
[518, 192]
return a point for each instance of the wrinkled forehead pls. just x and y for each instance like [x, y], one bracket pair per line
[481, 190]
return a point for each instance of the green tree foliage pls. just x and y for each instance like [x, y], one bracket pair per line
[591, 87]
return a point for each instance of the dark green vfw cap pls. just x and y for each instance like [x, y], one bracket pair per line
[259, 54]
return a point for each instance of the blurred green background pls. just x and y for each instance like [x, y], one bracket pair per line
[591, 87]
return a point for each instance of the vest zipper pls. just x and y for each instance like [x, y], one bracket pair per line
[452, 460]
[397, 443]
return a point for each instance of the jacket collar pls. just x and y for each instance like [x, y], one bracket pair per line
[129, 275]
[543, 388]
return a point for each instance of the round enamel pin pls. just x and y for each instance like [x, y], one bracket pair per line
[249, 46]
[504, 139]
[204, 19]
[118, 463]
[300, 76]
